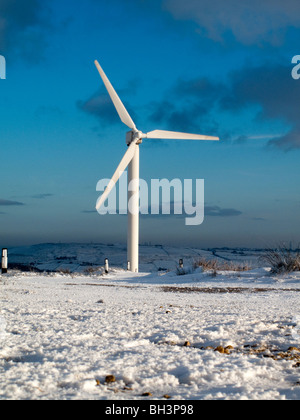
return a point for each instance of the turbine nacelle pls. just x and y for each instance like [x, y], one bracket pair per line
[134, 135]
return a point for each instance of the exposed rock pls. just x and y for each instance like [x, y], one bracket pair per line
[110, 379]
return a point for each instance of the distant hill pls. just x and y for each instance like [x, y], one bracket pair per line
[72, 257]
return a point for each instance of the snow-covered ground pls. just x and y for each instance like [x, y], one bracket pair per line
[156, 332]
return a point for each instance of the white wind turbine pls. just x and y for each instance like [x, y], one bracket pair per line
[132, 160]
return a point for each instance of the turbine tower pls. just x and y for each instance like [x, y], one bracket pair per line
[131, 159]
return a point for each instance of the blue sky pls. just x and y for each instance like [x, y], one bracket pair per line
[191, 66]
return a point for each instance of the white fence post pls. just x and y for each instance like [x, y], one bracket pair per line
[106, 266]
[4, 262]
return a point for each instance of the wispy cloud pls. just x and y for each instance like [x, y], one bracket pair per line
[23, 28]
[41, 196]
[269, 88]
[187, 105]
[100, 105]
[10, 203]
[221, 212]
[274, 90]
[256, 23]
[214, 211]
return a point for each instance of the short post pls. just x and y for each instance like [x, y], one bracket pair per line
[181, 263]
[106, 266]
[4, 262]
[128, 265]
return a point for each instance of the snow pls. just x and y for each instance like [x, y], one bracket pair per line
[62, 334]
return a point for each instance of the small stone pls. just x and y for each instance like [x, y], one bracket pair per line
[166, 396]
[98, 383]
[297, 365]
[228, 349]
[293, 349]
[187, 344]
[147, 394]
[220, 349]
[110, 379]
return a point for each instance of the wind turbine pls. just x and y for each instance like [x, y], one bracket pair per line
[132, 160]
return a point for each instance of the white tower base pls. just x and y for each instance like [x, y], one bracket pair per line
[133, 212]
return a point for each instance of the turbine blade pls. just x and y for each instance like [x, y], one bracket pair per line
[120, 169]
[123, 114]
[172, 135]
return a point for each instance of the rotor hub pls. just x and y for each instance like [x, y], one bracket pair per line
[134, 136]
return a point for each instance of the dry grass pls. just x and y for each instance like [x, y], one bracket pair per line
[282, 260]
[92, 270]
[215, 265]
